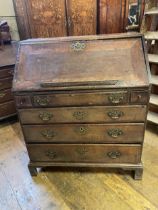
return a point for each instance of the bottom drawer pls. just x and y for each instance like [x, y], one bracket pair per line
[7, 109]
[90, 153]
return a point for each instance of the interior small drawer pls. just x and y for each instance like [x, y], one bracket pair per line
[139, 97]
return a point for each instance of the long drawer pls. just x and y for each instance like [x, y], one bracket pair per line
[7, 109]
[6, 83]
[73, 99]
[78, 99]
[97, 114]
[98, 153]
[6, 95]
[85, 133]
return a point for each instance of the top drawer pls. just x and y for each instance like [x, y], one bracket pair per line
[73, 99]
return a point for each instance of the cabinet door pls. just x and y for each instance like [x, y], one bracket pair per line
[81, 17]
[112, 16]
[47, 18]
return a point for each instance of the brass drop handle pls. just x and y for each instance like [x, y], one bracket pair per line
[115, 133]
[42, 101]
[116, 98]
[2, 95]
[45, 116]
[48, 133]
[51, 154]
[114, 154]
[115, 114]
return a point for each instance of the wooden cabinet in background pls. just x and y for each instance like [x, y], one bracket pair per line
[82, 17]
[58, 18]
[112, 16]
[47, 18]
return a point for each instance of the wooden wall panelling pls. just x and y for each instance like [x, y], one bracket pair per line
[111, 16]
[22, 19]
[47, 18]
[81, 17]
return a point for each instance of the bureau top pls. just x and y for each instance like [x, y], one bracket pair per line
[104, 61]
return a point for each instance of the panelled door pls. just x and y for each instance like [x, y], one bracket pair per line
[81, 17]
[47, 18]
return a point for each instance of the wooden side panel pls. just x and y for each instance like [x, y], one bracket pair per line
[22, 19]
[81, 17]
[111, 16]
[47, 18]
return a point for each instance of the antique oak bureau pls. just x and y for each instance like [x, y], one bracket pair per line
[82, 101]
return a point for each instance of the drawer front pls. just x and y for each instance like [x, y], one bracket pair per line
[7, 109]
[6, 83]
[94, 153]
[83, 114]
[6, 72]
[85, 133]
[139, 97]
[6, 95]
[81, 99]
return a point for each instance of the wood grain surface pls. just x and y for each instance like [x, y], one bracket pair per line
[77, 189]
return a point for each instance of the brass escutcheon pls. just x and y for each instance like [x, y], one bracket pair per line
[116, 98]
[80, 115]
[81, 130]
[78, 46]
[114, 154]
[115, 132]
[115, 114]
[45, 116]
